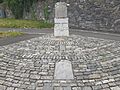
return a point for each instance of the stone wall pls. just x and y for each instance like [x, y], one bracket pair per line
[37, 10]
[95, 14]
[91, 14]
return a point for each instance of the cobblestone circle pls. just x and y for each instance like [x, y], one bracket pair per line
[30, 65]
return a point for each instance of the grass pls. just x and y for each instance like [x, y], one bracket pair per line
[8, 34]
[15, 23]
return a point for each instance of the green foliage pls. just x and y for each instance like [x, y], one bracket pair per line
[15, 23]
[13, 34]
[19, 6]
[1, 1]
[33, 13]
[46, 9]
[16, 7]
[46, 13]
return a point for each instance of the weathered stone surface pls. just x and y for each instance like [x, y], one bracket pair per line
[63, 70]
[10, 88]
[115, 88]
[61, 30]
[93, 14]
[2, 87]
[48, 86]
[87, 88]
[61, 10]
[62, 88]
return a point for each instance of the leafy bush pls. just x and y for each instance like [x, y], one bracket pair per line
[19, 6]
[1, 1]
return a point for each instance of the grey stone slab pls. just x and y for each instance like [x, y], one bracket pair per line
[62, 88]
[77, 88]
[10, 88]
[62, 47]
[66, 88]
[48, 86]
[87, 88]
[115, 88]
[18, 89]
[58, 88]
[63, 70]
[2, 87]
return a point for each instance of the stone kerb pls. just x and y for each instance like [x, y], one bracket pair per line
[61, 20]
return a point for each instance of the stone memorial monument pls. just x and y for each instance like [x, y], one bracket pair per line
[61, 20]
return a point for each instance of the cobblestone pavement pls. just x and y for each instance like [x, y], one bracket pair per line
[30, 65]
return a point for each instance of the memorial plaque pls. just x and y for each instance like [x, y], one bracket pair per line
[63, 70]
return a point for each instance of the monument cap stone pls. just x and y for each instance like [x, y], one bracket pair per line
[61, 10]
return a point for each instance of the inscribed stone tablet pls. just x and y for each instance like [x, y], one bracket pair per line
[63, 70]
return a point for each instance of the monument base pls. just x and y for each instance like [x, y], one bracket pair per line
[61, 27]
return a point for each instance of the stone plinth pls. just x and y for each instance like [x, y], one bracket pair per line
[61, 27]
[63, 70]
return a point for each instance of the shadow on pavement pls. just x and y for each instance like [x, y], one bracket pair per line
[10, 40]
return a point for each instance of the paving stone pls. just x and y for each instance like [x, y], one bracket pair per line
[39, 88]
[48, 86]
[67, 88]
[97, 87]
[115, 88]
[19, 89]
[10, 88]
[32, 86]
[87, 88]
[2, 87]
[35, 77]
[76, 88]
[58, 88]
[2, 81]
[105, 85]
[62, 88]
[28, 65]
[94, 76]
[106, 89]
[7, 83]
[24, 75]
